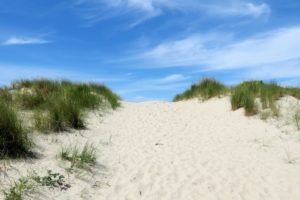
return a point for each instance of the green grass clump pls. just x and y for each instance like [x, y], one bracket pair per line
[249, 104]
[61, 105]
[79, 158]
[112, 98]
[62, 115]
[19, 189]
[14, 139]
[39, 94]
[206, 89]
[244, 95]
[5, 95]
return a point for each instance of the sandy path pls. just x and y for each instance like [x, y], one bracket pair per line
[191, 150]
[172, 151]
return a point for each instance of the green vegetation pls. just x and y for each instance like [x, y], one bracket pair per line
[79, 159]
[58, 105]
[5, 96]
[41, 94]
[19, 189]
[206, 89]
[55, 105]
[27, 185]
[244, 95]
[14, 139]
[52, 180]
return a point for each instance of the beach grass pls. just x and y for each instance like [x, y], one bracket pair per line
[59, 105]
[55, 105]
[245, 95]
[14, 138]
[79, 158]
[205, 89]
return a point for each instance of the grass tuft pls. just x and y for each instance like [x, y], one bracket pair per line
[244, 95]
[19, 189]
[79, 158]
[14, 139]
[206, 89]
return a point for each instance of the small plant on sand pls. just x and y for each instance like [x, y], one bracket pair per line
[28, 184]
[264, 115]
[205, 89]
[14, 139]
[297, 118]
[52, 180]
[20, 188]
[79, 159]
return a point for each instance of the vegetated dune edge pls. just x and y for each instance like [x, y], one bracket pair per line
[184, 150]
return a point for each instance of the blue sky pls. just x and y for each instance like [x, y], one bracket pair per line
[150, 49]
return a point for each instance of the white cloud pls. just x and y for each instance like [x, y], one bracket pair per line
[146, 9]
[172, 78]
[24, 41]
[239, 8]
[173, 81]
[274, 50]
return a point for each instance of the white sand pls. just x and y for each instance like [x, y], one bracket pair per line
[176, 151]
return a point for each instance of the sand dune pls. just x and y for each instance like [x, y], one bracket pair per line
[176, 151]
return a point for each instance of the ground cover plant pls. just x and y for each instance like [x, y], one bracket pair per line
[29, 184]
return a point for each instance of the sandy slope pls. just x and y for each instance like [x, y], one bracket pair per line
[177, 151]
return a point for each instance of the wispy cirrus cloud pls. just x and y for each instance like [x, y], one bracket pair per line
[24, 41]
[169, 82]
[269, 51]
[143, 10]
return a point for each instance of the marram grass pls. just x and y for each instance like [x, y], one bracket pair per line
[244, 95]
[205, 89]
[14, 138]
